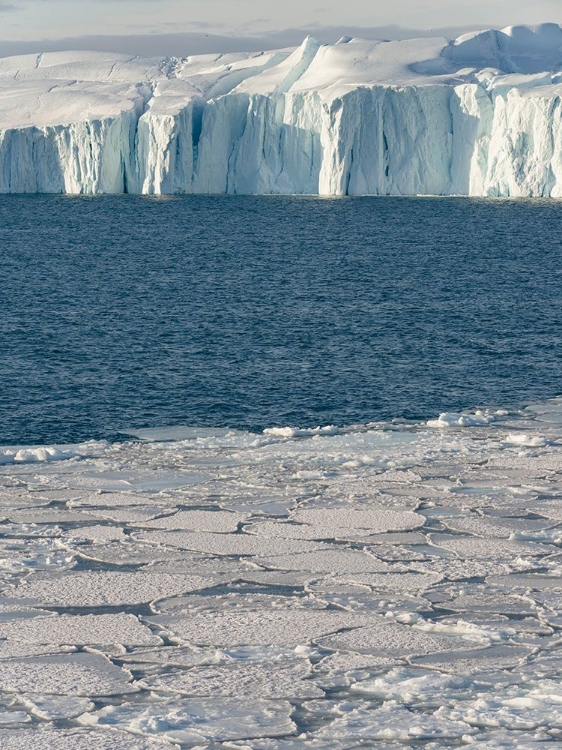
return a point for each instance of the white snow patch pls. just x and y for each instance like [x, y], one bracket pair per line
[453, 419]
[34, 455]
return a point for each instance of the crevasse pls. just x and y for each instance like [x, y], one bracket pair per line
[479, 116]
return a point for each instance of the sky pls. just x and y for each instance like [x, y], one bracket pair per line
[167, 26]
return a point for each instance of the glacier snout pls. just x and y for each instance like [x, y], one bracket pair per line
[478, 116]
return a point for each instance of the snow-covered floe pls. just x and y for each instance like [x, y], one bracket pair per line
[199, 721]
[97, 589]
[74, 739]
[479, 115]
[73, 674]
[388, 585]
[80, 630]
[240, 680]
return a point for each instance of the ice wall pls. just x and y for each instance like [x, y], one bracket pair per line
[478, 116]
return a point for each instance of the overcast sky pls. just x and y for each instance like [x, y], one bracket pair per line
[155, 26]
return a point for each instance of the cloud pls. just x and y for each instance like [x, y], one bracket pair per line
[193, 43]
[8, 8]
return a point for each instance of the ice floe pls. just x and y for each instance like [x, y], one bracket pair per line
[74, 739]
[395, 582]
[325, 561]
[80, 630]
[238, 680]
[469, 548]
[254, 627]
[107, 588]
[373, 520]
[391, 722]
[56, 707]
[226, 544]
[96, 534]
[234, 600]
[199, 721]
[25, 554]
[382, 637]
[78, 674]
[490, 660]
[123, 553]
[386, 586]
[199, 520]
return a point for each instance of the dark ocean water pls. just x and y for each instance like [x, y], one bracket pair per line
[120, 312]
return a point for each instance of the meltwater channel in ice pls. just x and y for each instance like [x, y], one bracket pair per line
[390, 585]
[476, 116]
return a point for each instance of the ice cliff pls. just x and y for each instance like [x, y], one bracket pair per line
[479, 116]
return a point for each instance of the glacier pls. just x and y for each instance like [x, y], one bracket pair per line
[476, 116]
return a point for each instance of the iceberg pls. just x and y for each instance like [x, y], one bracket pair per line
[477, 116]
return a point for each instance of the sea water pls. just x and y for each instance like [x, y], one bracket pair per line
[252, 312]
[280, 474]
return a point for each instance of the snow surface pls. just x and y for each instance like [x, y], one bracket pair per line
[74, 739]
[73, 674]
[386, 586]
[106, 589]
[79, 630]
[478, 116]
[275, 681]
[199, 721]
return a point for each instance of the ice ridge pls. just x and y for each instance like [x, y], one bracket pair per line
[477, 116]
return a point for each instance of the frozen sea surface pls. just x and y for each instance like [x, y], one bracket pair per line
[389, 585]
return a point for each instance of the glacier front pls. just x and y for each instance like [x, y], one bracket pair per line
[479, 116]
